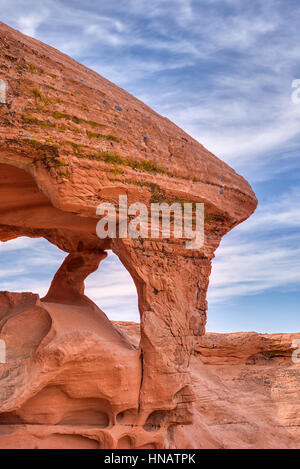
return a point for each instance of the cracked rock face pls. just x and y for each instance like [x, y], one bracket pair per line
[69, 140]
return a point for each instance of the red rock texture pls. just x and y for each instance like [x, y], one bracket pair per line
[72, 380]
[69, 140]
[247, 393]
[70, 377]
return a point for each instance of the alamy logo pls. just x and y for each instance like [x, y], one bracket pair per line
[296, 93]
[296, 353]
[185, 220]
[3, 89]
[2, 351]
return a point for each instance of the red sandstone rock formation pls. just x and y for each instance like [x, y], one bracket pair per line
[72, 381]
[69, 140]
[247, 392]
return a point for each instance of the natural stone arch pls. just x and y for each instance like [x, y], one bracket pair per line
[81, 151]
[172, 307]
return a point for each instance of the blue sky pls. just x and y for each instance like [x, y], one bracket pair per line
[221, 70]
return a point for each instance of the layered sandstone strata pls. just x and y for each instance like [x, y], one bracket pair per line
[69, 140]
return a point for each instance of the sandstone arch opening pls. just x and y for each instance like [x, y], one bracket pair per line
[165, 304]
[112, 288]
[63, 317]
[27, 212]
[28, 264]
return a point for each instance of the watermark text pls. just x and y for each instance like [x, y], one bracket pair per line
[296, 93]
[183, 221]
[2, 351]
[296, 352]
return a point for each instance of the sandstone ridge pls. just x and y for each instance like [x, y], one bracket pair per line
[69, 140]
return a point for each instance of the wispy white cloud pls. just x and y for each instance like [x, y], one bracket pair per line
[280, 213]
[30, 264]
[262, 254]
[254, 268]
[28, 23]
[135, 69]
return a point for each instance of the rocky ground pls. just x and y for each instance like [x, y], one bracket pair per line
[72, 380]
[247, 392]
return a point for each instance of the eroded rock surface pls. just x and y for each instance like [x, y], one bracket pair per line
[70, 377]
[72, 380]
[69, 140]
[247, 391]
